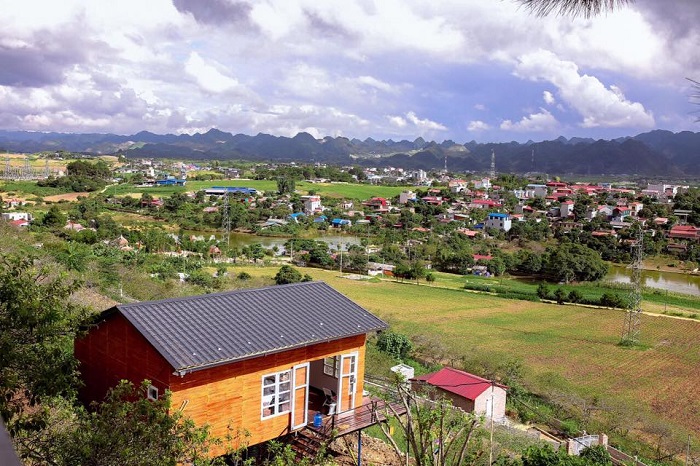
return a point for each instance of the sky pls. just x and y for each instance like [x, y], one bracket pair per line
[484, 70]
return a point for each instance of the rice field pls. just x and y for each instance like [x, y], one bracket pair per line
[576, 347]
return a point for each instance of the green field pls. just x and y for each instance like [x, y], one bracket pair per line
[564, 348]
[28, 188]
[336, 190]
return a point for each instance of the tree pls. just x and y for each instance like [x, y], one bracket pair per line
[130, 429]
[38, 324]
[397, 345]
[54, 218]
[288, 274]
[435, 432]
[285, 185]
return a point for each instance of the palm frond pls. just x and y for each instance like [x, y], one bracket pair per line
[585, 8]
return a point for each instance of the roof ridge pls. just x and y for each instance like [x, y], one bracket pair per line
[220, 293]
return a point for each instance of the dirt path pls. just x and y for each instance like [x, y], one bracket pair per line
[70, 197]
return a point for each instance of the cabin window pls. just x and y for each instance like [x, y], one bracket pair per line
[331, 366]
[276, 393]
[152, 393]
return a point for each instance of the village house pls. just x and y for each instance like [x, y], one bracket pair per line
[377, 204]
[684, 232]
[498, 221]
[467, 391]
[240, 360]
[14, 216]
[312, 204]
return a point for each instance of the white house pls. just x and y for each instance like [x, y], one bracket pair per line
[12, 216]
[498, 221]
[538, 190]
[406, 196]
[566, 209]
[312, 204]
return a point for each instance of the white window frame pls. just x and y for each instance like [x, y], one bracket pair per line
[332, 369]
[276, 394]
[152, 393]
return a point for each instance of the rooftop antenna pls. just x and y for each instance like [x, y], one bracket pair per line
[630, 331]
[492, 174]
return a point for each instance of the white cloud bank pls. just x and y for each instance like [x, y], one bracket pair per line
[535, 122]
[599, 106]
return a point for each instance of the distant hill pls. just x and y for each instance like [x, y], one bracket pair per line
[656, 153]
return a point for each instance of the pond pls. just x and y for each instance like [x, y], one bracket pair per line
[671, 281]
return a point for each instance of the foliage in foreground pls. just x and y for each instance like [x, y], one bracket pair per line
[37, 327]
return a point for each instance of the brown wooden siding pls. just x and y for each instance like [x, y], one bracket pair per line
[229, 397]
[114, 350]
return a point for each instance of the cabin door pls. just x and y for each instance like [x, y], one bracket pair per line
[300, 395]
[347, 382]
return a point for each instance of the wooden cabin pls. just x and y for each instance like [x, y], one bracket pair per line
[242, 360]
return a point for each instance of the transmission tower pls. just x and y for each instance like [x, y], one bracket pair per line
[630, 332]
[492, 173]
[27, 175]
[226, 219]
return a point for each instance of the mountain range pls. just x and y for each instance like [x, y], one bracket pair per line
[655, 153]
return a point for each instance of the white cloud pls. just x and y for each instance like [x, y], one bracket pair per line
[535, 122]
[399, 122]
[208, 76]
[478, 125]
[480, 107]
[598, 106]
[376, 83]
[424, 123]
[548, 98]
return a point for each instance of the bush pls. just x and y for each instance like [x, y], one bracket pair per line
[244, 276]
[575, 296]
[394, 344]
[288, 274]
[543, 291]
[611, 300]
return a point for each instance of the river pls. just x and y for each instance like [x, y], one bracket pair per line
[671, 281]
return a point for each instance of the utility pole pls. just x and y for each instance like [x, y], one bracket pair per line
[226, 219]
[491, 433]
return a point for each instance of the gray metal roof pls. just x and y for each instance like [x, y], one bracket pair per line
[196, 332]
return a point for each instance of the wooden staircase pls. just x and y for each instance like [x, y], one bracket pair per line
[307, 442]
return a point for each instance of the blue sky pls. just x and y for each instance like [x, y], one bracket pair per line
[484, 70]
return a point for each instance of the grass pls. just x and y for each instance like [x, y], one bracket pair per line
[655, 301]
[576, 347]
[29, 188]
[336, 190]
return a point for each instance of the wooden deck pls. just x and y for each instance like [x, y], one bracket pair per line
[369, 413]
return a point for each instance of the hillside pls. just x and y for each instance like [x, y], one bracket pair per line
[656, 153]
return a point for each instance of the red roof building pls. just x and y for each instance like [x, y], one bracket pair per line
[465, 390]
[684, 232]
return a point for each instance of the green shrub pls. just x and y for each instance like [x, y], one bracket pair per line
[395, 344]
